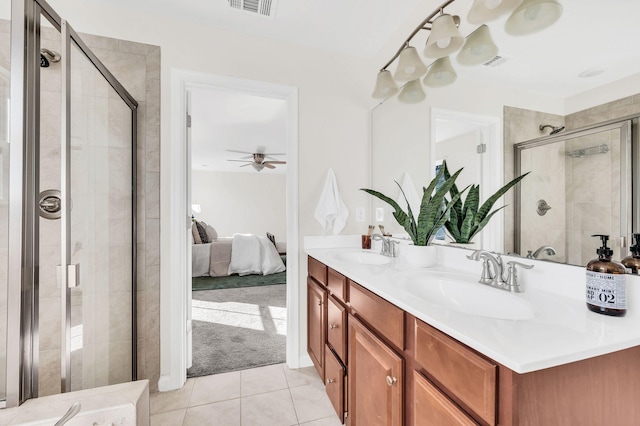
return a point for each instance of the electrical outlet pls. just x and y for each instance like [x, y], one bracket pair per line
[379, 214]
[360, 213]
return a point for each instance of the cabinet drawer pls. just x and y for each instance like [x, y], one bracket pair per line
[337, 283]
[386, 318]
[431, 407]
[317, 270]
[337, 328]
[466, 377]
[334, 381]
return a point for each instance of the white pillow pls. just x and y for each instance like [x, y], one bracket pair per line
[271, 261]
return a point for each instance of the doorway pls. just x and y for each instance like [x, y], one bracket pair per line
[176, 355]
[238, 191]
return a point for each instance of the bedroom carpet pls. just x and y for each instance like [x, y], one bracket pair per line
[236, 329]
[236, 281]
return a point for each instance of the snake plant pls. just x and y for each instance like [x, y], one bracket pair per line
[434, 208]
[466, 220]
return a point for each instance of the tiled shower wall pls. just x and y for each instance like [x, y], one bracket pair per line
[137, 67]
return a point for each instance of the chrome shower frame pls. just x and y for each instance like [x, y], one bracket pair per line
[23, 266]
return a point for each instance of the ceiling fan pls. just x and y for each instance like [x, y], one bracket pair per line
[258, 160]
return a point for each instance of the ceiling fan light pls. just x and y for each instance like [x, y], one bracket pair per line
[533, 16]
[483, 11]
[445, 38]
[385, 85]
[440, 73]
[412, 92]
[478, 48]
[410, 66]
[257, 166]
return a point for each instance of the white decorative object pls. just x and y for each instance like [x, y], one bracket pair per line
[421, 256]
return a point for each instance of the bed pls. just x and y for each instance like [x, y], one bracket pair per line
[241, 254]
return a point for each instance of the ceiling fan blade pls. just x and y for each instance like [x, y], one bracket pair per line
[239, 152]
[248, 164]
[274, 162]
[268, 166]
[243, 161]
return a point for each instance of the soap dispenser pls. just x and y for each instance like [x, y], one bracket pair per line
[606, 283]
[632, 263]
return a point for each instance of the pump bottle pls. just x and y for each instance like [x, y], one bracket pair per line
[632, 263]
[606, 284]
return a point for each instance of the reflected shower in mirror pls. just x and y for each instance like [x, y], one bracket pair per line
[579, 186]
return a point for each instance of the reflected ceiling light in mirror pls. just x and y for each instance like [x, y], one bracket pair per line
[385, 85]
[483, 11]
[533, 16]
[478, 48]
[445, 38]
[410, 66]
[412, 92]
[440, 73]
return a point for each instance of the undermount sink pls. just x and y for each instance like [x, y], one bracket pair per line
[469, 297]
[362, 257]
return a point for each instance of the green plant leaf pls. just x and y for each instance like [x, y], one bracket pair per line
[484, 210]
[484, 222]
[452, 224]
[466, 226]
[457, 206]
[432, 205]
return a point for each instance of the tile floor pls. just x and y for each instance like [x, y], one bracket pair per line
[266, 396]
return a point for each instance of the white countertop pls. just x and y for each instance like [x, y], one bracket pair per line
[561, 331]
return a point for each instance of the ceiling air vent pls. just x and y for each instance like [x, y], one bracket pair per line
[264, 8]
[496, 61]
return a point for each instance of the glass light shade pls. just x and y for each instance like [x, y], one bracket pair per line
[412, 92]
[487, 10]
[440, 73]
[479, 48]
[533, 16]
[445, 38]
[385, 85]
[410, 66]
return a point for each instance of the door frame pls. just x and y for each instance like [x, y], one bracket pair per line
[176, 240]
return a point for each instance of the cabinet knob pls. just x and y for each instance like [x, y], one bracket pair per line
[391, 380]
[329, 381]
[333, 326]
[320, 303]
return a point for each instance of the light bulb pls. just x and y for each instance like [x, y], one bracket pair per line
[410, 69]
[443, 43]
[532, 13]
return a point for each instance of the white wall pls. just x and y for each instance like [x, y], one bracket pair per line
[248, 203]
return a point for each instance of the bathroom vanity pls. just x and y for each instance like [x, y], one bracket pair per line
[398, 345]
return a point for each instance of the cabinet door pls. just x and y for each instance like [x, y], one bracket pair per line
[432, 408]
[376, 385]
[316, 324]
[336, 328]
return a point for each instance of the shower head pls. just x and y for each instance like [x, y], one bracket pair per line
[554, 129]
[53, 57]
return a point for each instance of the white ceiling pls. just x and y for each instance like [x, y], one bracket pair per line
[590, 34]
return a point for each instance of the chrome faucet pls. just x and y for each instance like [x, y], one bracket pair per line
[550, 251]
[496, 277]
[388, 245]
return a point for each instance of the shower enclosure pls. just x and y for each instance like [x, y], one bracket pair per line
[67, 210]
[581, 183]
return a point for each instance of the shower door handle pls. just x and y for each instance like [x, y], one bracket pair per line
[73, 276]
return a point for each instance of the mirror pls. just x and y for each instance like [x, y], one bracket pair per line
[407, 138]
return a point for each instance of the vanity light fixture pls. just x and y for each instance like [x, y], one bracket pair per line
[478, 48]
[412, 92]
[483, 11]
[410, 66]
[440, 73]
[385, 85]
[445, 39]
[533, 16]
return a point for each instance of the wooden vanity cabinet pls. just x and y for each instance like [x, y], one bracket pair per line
[316, 323]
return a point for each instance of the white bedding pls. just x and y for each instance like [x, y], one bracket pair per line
[251, 254]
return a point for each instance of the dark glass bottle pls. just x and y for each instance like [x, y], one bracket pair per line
[606, 284]
[632, 263]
